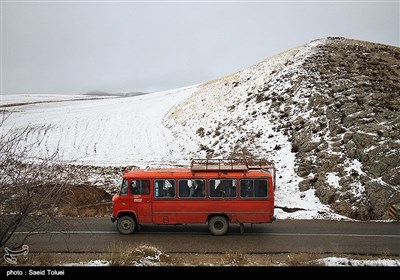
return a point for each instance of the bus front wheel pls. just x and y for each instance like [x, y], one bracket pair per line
[126, 225]
[218, 225]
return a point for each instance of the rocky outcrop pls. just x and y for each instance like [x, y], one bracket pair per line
[355, 105]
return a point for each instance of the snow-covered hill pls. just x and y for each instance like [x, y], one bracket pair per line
[327, 113]
[280, 109]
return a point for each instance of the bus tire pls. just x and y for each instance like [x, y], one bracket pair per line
[218, 225]
[126, 225]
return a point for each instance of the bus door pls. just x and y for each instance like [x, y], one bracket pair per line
[141, 200]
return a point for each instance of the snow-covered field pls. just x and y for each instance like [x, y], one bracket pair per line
[105, 131]
[129, 131]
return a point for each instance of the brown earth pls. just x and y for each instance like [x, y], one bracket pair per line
[85, 201]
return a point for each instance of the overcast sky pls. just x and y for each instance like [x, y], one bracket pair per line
[73, 47]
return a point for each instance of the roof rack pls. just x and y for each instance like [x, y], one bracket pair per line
[233, 165]
[229, 164]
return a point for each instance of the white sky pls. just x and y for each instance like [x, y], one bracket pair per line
[72, 47]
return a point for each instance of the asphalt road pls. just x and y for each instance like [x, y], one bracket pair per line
[281, 236]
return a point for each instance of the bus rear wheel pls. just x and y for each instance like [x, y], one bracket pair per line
[126, 225]
[218, 225]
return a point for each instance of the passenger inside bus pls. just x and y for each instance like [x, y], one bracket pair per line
[199, 190]
[225, 188]
[183, 188]
[191, 188]
[170, 185]
[135, 188]
[140, 187]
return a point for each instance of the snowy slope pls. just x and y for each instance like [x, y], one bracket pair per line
[106, 131]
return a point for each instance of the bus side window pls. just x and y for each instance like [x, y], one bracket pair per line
[164, 188]
[199, 188]
[170, 185]
[212, 188]
[222, 188]
[246, 188]
[183, 188]
[135, 189]
[140, 187]
[232, 190]
[261, 188]
[145, 187]
[158, 188]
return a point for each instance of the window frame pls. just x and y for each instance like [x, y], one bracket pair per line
[191, 197]
[254, 188]
[165, 197]
[141, 187]
[234, 180]
[120, 193]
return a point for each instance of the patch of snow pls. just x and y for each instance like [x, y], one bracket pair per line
[337, 261]
[354, 164]
[333, 179]
[380, 182]
[89, 263]
[356, 189]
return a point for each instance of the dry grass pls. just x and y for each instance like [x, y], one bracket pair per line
[144, 255]
[90, 210]
[235, 259]
[301, 259]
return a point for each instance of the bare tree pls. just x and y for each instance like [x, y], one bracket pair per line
[30, 185]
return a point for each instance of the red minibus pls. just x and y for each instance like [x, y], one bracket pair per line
[213, 191]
